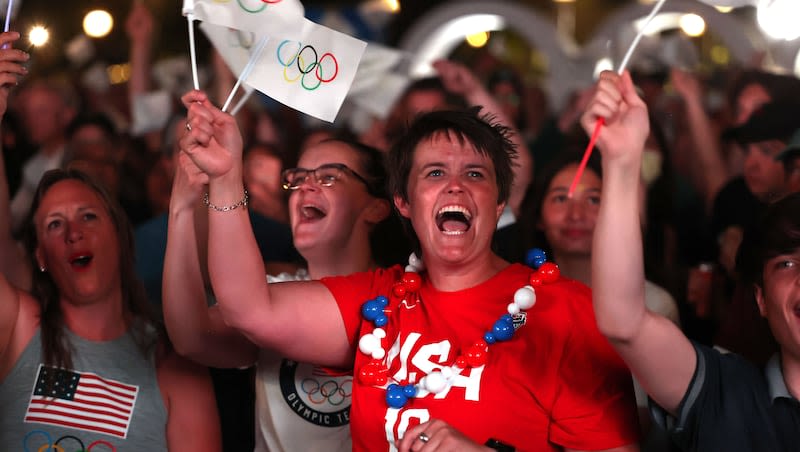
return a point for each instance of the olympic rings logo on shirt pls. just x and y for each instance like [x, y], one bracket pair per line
[319, 67]
[58, 447]
[330, 391]
[252, 6]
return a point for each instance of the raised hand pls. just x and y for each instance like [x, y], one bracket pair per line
[457, 78]
[187, 188]
[437, 435]
[211, 139]
[139, 23]
[686, 84]
[625, 114]
[11, 68]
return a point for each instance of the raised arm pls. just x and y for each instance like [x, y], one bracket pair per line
[13, 265]
[300, 320]
[657, 352]
[458, 79]
[192, 417]
[196, 330]
[711, 169]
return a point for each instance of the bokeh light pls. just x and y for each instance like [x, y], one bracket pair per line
[693, 25]
[478, 39]
[38, 35]
[97, 23]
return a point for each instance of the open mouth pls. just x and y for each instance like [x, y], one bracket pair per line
[81, 260]
[453, 220]
[311, 212]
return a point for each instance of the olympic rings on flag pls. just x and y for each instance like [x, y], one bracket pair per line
[330, 391]
[247, 5]
[315, 67]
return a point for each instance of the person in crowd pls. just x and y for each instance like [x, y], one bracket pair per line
[716, 401]
[435, 346]
[563, 227]
[262, 177]
[762, 137]
[790, 157]
[46, 106]
[82, 362]
[337, 196]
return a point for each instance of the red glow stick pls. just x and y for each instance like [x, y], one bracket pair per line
[601, 121]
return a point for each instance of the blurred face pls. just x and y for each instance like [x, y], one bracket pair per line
[78, 243]
[764, 175]
[452, 200]
[424, 101]
[568, 224]
[508, 98]
[750, 99]
[793, 175]
[93, 153]
[262, 176]
[779, 300]
[44, 114]
[328, 215]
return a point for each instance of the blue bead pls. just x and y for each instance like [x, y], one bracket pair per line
[395, 396]
[503, 330]
[382, 301]
[489, 337]
[381, 320]
[410, 391]
[507, 318]
[535, 257]
[371, 309]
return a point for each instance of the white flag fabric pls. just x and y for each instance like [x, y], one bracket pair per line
[234, 46]
[273, 17]
[312, 74]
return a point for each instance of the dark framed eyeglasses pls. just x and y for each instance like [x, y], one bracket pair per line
[325, 176]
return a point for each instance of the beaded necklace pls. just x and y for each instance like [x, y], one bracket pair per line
[375, 372]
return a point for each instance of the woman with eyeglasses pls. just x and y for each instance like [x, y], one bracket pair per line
[336, 199]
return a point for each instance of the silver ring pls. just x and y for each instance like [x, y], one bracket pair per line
[188, 126]
[423, 437]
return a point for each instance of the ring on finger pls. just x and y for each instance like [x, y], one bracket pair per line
[188, 126]
[423, 437]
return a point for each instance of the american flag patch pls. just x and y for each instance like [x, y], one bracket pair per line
[81, 400]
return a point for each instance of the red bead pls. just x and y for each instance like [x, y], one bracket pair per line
[373, 373]
[412, 281]
[399, 290]
[461, 361]
[482, 345]
[536, 280]
[549, 272]
[476, 356]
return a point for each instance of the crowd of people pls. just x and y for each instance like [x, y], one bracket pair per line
[251, 282]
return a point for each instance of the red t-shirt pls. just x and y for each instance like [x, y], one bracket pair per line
[556, 383]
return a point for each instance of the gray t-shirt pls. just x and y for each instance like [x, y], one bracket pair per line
[110, 398]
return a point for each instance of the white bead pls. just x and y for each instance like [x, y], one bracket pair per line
[416, 262]
[369, 343]
[379, 332]
[525, 297]
[435, 382]
[448, 373]
[411, 268]
[378, 353]
[513, 309]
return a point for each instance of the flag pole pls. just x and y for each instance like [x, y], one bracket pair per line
[192, 50]
[247, 69]
[600, 121]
